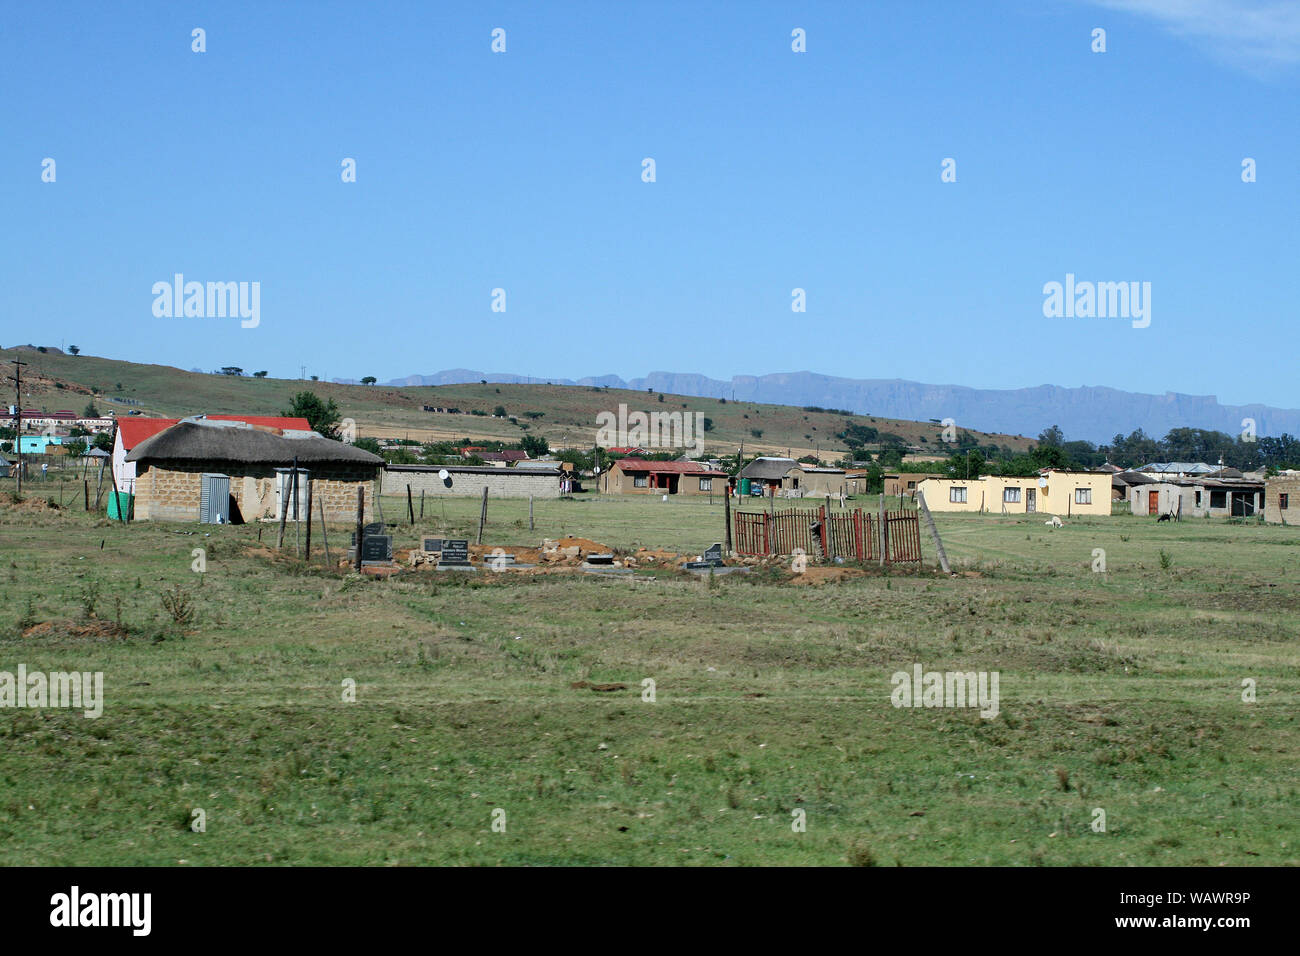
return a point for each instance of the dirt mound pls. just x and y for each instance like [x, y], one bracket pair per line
[600, 688]
[28, 503]
[93, 630]
[586, 545]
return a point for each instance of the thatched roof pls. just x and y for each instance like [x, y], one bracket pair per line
[203, 441]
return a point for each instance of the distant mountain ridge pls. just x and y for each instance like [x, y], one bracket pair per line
[1094, 413]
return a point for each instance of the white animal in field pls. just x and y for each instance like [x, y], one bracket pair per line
[1055, 522]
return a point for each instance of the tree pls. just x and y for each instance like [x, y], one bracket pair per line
[259, 375]
[90, 411]
[322, 416]
[75, 449]
[1052, 437]
[535, 445]
[74, 350]
[103, 441]
[231, 370]
[499, 411]
[369, 380]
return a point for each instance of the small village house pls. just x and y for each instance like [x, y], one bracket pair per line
[1223, 495]
[1054, 492]
[904, 484]
[1282, 498]
[219, 470]
[132, 431]
[636, 476]
[790, 478]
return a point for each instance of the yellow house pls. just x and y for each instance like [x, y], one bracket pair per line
[1064, 493]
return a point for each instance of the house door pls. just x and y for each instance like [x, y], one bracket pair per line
[1153, 502]
[1031, 500]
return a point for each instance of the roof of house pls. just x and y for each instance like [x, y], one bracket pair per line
[666, 467]
[507, 455]
[1178, 467]
[132, 431]
[200, 440]
[768, 469]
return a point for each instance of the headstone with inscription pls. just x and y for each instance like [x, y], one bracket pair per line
[455, 553]
[432, 544]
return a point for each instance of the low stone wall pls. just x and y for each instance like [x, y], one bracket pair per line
[470, 482]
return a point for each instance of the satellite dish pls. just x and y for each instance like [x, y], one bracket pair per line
[444, 474]
[1042, 482]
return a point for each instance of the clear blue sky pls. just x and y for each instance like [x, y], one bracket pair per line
[775, 170]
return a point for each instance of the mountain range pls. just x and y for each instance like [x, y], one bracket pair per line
[1093, 413]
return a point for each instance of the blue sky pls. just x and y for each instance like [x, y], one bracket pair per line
[775, 170]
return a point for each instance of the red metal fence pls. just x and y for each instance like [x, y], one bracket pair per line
[853, 535]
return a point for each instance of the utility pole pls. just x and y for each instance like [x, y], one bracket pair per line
[18, 419]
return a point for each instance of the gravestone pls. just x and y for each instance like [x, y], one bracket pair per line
[368, 531]
[433, 544]
[377, 548]
[455, 553]
[713, 555]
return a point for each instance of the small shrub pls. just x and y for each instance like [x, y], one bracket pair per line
[178, 603]
[89, 598]
[1166, 562]
[860, 855]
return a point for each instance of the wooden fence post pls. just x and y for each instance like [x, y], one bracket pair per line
[85, 487]
[410, 504]
[726, 517]
[307, 537]
[884, 531]
[325, 535]
[938, 544]
[482, 517]
[361, 525]
[530, 512]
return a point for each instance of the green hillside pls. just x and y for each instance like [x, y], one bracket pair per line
[565, 414]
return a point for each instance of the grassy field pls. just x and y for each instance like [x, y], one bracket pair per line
[1120, 690]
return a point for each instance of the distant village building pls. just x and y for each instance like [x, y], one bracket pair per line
[637, 476]
[789, 478]
[1053, 491]
[1282, 498]
[1224, 494]
[905, 484]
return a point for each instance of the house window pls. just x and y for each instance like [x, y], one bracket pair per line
[911, 486]
[1198, 497]
[1083, 496]
[1281, 502]
[1218, 499]
[706, 484]
[957, 495]
[640, 481]
[1011, 495]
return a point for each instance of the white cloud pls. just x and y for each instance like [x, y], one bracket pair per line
[1262, 36]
